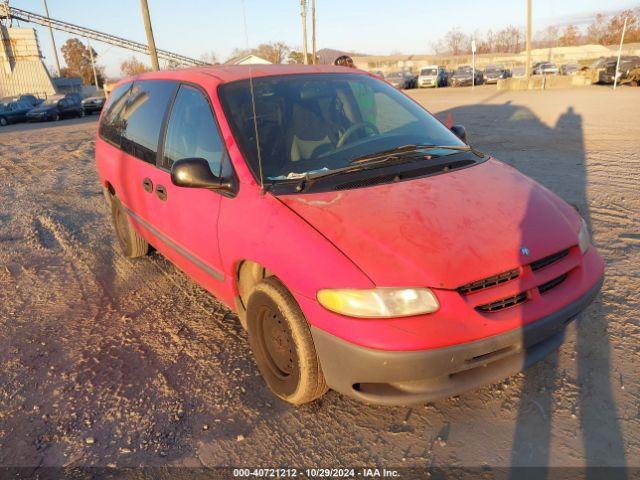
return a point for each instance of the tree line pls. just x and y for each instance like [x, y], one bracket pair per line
[603, 30]
[78, 59]
[274, 52]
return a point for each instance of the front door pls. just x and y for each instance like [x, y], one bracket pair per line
[188, 217]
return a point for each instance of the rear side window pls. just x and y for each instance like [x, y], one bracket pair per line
[143, 116]
[111, 122]
[192, 131]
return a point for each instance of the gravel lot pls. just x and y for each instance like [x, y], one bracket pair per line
[107, 361]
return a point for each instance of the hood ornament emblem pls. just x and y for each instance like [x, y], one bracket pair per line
[524, 251]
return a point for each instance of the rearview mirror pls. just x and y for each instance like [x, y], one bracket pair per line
[196, 173]
[460, 132]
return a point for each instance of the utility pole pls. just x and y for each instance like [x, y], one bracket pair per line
[624, 29]
[303, 14]
[93, 64]
[152, 44]
[528, 66]
[313, 30]
[53, 42]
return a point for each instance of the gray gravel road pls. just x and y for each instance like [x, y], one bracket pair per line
[107, 361]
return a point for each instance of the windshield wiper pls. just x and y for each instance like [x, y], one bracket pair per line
[387, 158]
[395, 152]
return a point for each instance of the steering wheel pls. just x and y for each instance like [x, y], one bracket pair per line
[354, 128]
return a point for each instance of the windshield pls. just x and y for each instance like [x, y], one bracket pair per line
[321, 122]
[429, 71]
[463, 70]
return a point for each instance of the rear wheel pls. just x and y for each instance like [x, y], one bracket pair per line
[131, 242]
[3, 122]
[282, 345]
[56, 117]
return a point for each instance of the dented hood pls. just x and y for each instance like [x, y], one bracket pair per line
[442, 231]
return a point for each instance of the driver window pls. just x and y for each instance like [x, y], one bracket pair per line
[192, 131]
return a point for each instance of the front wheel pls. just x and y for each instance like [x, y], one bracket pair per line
[282, 345]
[3, 122]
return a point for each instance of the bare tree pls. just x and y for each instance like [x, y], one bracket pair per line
[597, 31]
[570, 37]
[133, 66]
[455, 42]
[275, 52]
[209, 57]
[614, 27]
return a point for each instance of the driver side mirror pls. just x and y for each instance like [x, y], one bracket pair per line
[196, 173]
[460, 132]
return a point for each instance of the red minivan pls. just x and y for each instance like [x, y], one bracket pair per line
[366, 247]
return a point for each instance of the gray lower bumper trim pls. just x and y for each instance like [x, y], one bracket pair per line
[409, 377]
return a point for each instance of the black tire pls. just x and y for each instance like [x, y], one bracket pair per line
[3, 122]
[131, 242]
[282, 345]
[56, 117]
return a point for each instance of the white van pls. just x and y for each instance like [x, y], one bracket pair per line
[432, 76]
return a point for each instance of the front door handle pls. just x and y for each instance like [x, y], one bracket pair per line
[147, 184]
[161, 192]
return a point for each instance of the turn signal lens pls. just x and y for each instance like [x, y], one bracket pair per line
[584, 239]
[379, 302]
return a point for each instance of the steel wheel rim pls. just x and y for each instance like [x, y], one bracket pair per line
[276, 343]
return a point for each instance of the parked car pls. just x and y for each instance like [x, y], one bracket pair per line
[627, 63]
[55, 109]
[321, 243]
[493, 73]
[545, 68]
[28, 98]
[570, 68]
[432, 76]
[75, 96]
[92, 104]
[402, 80]
[463, 77]
[13, 112]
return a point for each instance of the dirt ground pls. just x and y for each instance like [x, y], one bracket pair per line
[107, 361]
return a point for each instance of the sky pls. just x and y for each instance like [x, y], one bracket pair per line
[195, 27]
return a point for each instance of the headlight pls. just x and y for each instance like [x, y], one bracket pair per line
[584, 239]
[379, 302]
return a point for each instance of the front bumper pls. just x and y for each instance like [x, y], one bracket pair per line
[411, 377]
[461, 83]
[428, 82]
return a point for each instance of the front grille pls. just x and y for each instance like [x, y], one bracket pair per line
[546, 261]
[545, 287]
[504, 303]
[488, 282]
